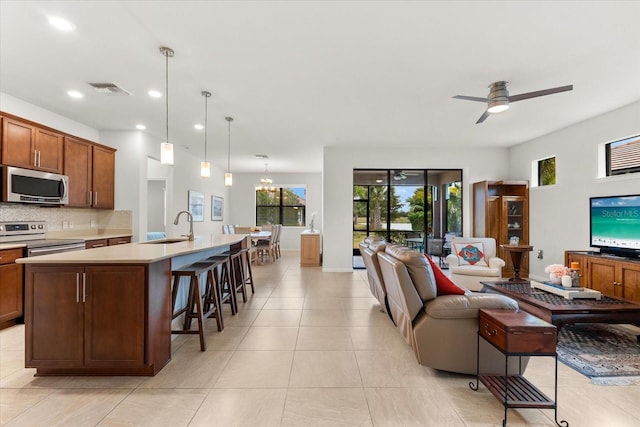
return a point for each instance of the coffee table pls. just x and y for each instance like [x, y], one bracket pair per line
[560, 311]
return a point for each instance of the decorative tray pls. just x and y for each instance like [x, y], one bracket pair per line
[567, 293]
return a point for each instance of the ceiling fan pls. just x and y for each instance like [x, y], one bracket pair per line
[499, 98]
[402, 175]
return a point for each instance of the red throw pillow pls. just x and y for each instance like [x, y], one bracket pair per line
[444, 285]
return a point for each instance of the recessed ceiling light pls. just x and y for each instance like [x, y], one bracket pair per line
[61, 23]
[140, 126]
[261, 156]
[75, 94]
[198, 126]
[155, 93]
[378, 181]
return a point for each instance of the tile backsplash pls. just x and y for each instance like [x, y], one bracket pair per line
[59, 219]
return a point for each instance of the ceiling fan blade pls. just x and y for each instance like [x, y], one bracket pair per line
[483, 117]
[471, 98]
[520, 97]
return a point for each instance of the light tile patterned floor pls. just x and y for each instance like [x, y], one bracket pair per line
[308, 349]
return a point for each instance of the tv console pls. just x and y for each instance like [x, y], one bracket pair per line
[613, 275]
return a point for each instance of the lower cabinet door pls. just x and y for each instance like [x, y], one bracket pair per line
[54, 318]
[114, 317]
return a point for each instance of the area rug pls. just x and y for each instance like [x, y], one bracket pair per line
[607, 354]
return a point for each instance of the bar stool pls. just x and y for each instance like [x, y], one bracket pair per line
[224, 281]
[237, 273]
[248, 277]
[194, 307]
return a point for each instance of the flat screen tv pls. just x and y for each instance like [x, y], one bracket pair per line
[615, 225]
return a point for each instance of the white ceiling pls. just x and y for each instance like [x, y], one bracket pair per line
[297, 76]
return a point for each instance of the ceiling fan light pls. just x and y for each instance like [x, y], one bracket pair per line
[166, 153]
[498, 106]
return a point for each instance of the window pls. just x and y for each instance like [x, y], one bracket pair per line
[281, 205]
[623, 156]
[547, 171]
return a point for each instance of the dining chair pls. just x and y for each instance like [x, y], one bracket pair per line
[267, 247]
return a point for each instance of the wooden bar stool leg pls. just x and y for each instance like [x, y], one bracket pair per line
[238, 275]
[190, 304]
[212, 297]
[198, 313]
[228, 285]
[249, 276]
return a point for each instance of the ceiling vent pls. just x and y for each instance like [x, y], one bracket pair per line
[110, 89]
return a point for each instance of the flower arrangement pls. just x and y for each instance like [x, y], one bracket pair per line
[558, 270]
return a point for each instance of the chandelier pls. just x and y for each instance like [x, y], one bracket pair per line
[265, 181]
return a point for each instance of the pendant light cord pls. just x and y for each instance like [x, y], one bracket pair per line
[229, 147]
[206, 128]
[166, 92]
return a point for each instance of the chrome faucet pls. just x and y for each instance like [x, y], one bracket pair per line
[190, 219]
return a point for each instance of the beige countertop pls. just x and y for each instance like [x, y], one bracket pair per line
[137, 253]
[79, 235]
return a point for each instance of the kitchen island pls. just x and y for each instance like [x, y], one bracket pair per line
[107, 311]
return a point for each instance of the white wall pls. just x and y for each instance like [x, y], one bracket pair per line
[337, 224]
[242, 207]
[559, 214]
[20, 108]
[133, 170]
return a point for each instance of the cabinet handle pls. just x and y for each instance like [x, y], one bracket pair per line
[39, 158]
[84, 287]
[35, 157]
[96, 198]
[98, 245]
[491, 332]
[90, 198]
[77, 287]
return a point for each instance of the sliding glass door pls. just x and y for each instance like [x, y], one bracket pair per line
[407, 206]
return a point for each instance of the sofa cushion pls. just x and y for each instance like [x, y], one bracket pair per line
[470, 254]
[467, 306]
[444, 285]
[474, 270]
[419, 270]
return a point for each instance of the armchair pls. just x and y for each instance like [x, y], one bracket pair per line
[482, 264]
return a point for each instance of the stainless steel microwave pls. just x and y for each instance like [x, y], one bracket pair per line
[30, 186]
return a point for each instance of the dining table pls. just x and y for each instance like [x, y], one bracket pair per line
[260, 235]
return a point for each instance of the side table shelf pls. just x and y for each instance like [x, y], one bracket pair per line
[517, 334]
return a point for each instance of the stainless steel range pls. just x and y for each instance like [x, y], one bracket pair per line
[33, 235]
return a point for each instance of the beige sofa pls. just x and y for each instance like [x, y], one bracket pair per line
[470, 276]
[442, 330]
[368, 250]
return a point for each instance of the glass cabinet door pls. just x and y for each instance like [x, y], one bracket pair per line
[515, 210]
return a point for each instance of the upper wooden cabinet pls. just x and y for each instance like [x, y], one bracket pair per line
[91, 170]
[501, 211]
[27, 146]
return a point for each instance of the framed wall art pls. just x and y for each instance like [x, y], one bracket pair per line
[217, 208]
[196, 205]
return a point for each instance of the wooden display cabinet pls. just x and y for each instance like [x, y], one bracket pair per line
[501, 211]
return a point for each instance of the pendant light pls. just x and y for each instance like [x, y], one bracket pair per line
[205, 167]
[166, 148]
[228, 177]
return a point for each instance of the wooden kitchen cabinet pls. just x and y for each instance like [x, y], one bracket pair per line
[501, 211]
[613, 276]
[96, 243]
[28, 146]
[310, 249]
[119, 240]
[86, 319]
[91, 171]
[10, 286]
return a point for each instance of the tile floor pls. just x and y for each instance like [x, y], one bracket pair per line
[309, 348]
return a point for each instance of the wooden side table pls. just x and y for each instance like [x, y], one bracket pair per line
[517, 333]
[516, 252]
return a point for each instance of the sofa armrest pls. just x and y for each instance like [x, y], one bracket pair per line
[495, 262]
[467, 306]
[452, 260]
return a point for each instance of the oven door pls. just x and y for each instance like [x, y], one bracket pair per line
[47, 250]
